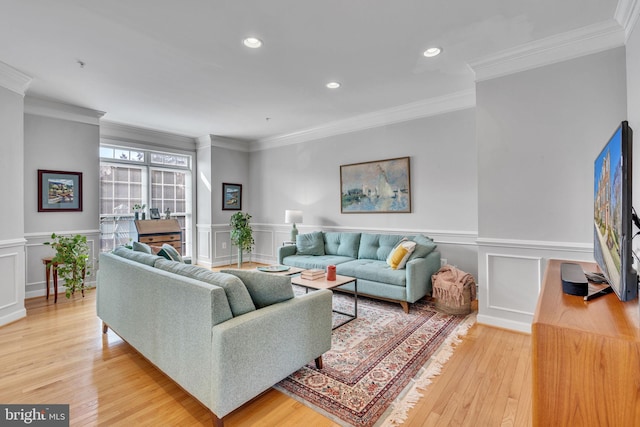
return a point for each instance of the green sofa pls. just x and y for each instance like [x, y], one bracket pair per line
[364, 256]
[221, 338]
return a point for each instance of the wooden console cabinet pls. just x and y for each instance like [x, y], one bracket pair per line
[586, 357]
[156, 232]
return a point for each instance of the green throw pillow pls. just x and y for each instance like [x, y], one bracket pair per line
[265, 288]
[170, 253]
[310, 244]
[423, 248]
[142, 247]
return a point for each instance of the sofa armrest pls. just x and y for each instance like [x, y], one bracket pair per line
[252, 352]
[285, 251]
[419, 272]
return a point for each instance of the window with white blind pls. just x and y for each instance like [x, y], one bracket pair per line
[131, 177]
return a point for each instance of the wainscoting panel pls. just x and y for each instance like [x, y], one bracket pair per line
[12, 292]
[203, 254]
[510, 275]
[505, 274]
[36, 250]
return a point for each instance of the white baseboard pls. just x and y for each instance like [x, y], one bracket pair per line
[504, 323]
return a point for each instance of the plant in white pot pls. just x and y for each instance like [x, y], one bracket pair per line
[241, 234]
[71, 260]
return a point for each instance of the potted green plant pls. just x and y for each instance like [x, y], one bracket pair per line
[241, 234]
[137, 208]
[71, 260]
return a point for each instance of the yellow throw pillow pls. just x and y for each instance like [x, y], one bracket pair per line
[400, 254]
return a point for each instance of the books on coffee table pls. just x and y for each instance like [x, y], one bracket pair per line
[312, 274]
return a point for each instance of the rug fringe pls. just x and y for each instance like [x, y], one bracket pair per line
[405, 401]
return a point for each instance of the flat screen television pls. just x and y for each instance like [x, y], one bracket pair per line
[613, 234]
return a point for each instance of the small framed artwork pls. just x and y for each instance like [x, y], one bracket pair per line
[154, 213]
[59, 191]
[382, 186]
[231, 197]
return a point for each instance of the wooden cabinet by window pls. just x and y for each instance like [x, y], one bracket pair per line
[156, 232]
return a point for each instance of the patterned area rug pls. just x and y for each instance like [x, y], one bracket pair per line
[377, 361]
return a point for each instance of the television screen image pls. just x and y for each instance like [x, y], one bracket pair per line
[612, 214]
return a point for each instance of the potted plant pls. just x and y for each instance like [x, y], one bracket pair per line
[138, 208]
[71, 260]
[241, 234]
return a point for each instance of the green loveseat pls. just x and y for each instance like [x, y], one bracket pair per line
[222, 339]
[364, 256]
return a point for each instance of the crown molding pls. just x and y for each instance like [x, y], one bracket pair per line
[14, 80]
[425, 108]
[223, 142]
[572, 44]
[627, 13]
[118, 132]
[58, 110]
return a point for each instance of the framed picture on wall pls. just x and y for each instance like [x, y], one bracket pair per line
[382, 186]
[59, 191]
[231, 197]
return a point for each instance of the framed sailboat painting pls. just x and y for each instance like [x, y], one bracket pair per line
[382, 186]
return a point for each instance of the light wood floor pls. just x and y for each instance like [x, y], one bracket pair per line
[57, 354]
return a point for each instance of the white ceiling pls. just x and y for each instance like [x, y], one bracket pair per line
[181, 67]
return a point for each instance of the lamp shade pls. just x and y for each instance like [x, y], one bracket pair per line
[292, 217]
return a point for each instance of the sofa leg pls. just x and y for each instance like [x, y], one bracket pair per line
[217, 422]
[105, 328]
[319, 362]
[405, 306]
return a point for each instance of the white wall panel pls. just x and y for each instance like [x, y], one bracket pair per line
[12, 292]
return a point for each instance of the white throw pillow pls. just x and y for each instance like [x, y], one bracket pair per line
[400, 254]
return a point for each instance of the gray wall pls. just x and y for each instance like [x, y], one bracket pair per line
[633, 108]
[443, 175]
[217, 165]
[63, 145]
[538, 134]
[63, 138]
[306, 176]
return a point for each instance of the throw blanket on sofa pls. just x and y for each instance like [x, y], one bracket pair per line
[449, 283]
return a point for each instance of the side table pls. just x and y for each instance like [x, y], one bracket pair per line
[48, 266]
[52, 267]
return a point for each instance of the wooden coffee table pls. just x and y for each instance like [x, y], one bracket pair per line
[323, 283]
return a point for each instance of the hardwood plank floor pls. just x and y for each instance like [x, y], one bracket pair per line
[58, 354]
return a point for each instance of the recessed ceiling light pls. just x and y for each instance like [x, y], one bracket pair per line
[432, 51]
[252, 42]
[333, 85]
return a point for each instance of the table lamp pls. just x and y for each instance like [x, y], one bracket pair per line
[291, 217]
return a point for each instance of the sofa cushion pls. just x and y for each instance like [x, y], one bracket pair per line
[310, 261]
[343, 244]
[141, 247]
[373, 270]
[310, 244]
[400, 254]
[265, 288]
[377, 246]
[141, 257]
[424, 246]
[237, 294]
